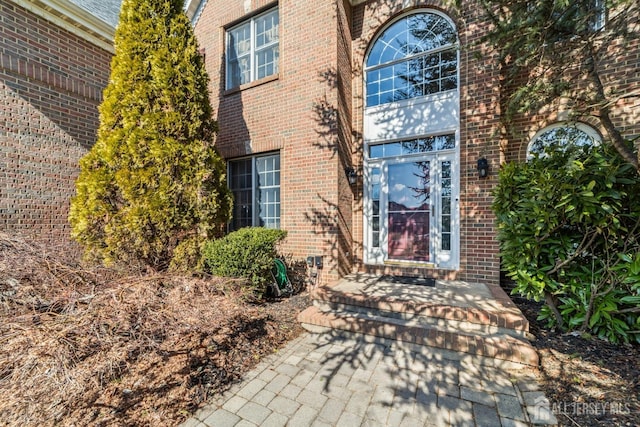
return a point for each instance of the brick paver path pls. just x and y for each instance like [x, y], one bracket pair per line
[329, 380]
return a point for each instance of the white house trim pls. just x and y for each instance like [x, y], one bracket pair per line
[74, 19]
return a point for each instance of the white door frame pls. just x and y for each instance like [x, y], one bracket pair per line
[437, 257]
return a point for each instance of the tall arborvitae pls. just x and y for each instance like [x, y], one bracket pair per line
[153, 181]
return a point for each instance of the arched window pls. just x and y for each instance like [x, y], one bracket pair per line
[414, 56]
[561, 135]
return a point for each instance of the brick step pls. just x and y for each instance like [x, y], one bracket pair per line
[507, 319]
[498, 347]
[430, 318]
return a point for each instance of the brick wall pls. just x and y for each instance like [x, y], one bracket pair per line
[296, 112]
[312, 112]
[348, 152]
[618, 68]
[50, 86]
[479, 137]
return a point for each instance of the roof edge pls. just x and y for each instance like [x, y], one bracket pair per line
[193, 9]
[73, 19]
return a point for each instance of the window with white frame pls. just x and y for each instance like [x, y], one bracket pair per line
[562, 135]
[576, 17]
[415, 56]
[255, 184]
[599, 16]
[583, 15]
[253, 49]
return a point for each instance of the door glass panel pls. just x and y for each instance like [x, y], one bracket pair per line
[412, 146]
[375, 207]
[445, 200]
[408, 211]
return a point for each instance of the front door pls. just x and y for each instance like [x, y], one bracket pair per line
[411, 210]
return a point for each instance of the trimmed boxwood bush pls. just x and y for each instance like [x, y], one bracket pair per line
[246, 253]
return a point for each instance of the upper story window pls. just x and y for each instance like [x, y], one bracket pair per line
[577, 17]
[599, 15]
[252, 49]
[561, 135]
[415, 56]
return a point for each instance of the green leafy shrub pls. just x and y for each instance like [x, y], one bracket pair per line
[153, 179]
[247, 253]
[569, 232]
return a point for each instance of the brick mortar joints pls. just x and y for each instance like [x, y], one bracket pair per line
[77, 87]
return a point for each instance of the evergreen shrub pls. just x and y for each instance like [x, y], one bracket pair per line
[246, 253]
[569, 233]
[153, 179]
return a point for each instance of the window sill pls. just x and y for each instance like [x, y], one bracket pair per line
[250, 85]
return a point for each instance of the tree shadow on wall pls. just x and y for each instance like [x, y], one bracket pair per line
[333, 220]
[233, 138]
[336, 231]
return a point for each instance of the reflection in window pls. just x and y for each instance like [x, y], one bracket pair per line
[413, 146]
[375, 207]
[408, 210]
[560, 136]
[445, 203]
[255, 184]
[415, 56]
[252, 49]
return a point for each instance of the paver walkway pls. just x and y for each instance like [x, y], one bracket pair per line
[332, 380]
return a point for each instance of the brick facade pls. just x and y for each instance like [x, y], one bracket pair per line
[296, 112]
[51, 83]
[312, 112]
[479, 125]
[617, 67]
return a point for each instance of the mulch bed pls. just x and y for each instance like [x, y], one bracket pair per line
[82, 346]
[588, 381]
[95, 346]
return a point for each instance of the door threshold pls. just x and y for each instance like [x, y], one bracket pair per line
[413, 264]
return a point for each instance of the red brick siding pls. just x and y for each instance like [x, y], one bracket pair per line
[313, 113]
[346, 149]
[295, 113]
[479, 137]
[50, 86]
[618, 70]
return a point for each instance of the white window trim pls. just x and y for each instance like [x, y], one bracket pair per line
[590, 131]
[252, 50]
[410, 101]
[379, 255]
[255, 215]
[427, 105]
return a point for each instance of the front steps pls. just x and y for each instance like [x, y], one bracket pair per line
[496, 334]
